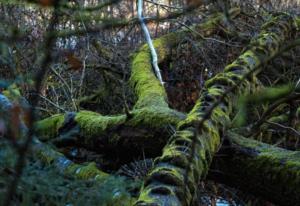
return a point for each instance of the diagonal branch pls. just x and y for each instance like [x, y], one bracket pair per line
[186, 159]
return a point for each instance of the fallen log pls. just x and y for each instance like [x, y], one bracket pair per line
[258, 168]
[144, 129]
[187, 156]
[117, 137]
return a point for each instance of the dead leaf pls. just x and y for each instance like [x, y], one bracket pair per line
[73, 61]
[15, 121]
[2, 128]
[46, 2]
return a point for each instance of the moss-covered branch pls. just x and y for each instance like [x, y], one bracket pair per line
[146, 130]
[148, 89]
[270, 172]
[49, 156]
[166, 184]
[45, 152]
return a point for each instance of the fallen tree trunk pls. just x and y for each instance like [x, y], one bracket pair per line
[50, 157]
[260, 169]
[117, 137]
[145, 128]
[148, 89]
[45, 152]
[187, 156]
[169, 183]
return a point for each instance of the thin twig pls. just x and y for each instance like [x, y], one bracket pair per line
[90, 8]
[272, 108]
[67, 86]
[52, 103]
[298, 83]
[207, 38]
[149, 42]
[86, 56]
[163, 5]
[284, 127]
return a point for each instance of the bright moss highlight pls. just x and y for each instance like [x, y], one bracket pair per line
[155, 117]
[91, 124]
[48, 128]
[94, 124]
[147, 87]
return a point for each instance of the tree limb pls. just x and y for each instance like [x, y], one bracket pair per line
[260, 169]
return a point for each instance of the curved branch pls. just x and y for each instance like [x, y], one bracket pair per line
[149, 91]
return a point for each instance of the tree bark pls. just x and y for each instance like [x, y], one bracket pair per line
[117, 137]
[260, 169]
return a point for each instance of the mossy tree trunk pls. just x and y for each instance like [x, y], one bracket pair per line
[176, 174]
[188, 152]
[257, 168]
[146, 129]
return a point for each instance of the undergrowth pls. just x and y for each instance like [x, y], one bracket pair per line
[44, 185]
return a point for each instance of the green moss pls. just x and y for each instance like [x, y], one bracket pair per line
[265, 95]
[90, 125]
[166, 183]
[114, 189]
[219, 114]
[93, 124]
[275, 171]
[271, 94]
[146, 197]
[298, 112]
[147, 88]
[154, 116]
[264, 149]
[48, 128]
[51, 157]
[89, 171]
[297, 23]
[44, 184]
